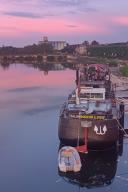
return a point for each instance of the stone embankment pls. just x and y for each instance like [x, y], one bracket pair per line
[120, 81]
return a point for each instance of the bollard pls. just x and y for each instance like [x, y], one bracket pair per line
[121, 120]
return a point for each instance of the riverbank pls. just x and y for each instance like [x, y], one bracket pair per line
[120, 81]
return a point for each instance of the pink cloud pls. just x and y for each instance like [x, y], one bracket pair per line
[122, 20]
[20, 28]
[16, 26]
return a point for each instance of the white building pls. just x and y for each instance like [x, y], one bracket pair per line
[57, 45]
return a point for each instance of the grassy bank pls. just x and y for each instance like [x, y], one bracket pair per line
[100, 60]
[124, 71]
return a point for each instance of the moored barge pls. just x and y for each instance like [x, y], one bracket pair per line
[91, 116]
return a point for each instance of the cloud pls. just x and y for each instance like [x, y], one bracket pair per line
[65, 3]
[71, 6]
[87, 9]
[72, 26]
[24, 89]
[22, 14]
[46, 8]
[64, 19]
[60, 27]
[122, 20]
[72, 12]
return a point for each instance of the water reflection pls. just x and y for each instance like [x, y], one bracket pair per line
[46, 67]
[98, 169]
[5, 65]
[30, 105]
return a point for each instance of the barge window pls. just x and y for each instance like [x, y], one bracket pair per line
[91, 95]
[85, 95]
[98, 95]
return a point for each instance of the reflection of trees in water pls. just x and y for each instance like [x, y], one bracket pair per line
[5, 65]
[54, 67]
[50, 66]
[70, 66]
[41, 66]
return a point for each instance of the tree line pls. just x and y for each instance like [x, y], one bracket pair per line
[114, 50]
[109, 51]
[30, 49]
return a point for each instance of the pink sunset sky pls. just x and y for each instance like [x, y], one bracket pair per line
[27, 21]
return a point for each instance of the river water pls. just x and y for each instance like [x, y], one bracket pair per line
[30, 100]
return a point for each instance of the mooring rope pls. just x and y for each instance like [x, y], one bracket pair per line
[78, 133]
[122, 128]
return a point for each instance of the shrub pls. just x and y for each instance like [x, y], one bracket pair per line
[124, 71]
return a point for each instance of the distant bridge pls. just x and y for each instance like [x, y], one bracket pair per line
[39, 57]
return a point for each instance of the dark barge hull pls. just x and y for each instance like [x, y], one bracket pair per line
[71, 133]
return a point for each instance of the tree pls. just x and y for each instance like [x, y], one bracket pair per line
[94, 43]
[86, 43]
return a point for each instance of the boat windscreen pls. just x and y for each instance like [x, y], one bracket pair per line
[91, 95]
[91, 107]
[99, 107]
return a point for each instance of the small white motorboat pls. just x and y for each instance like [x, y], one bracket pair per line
[69, 159]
